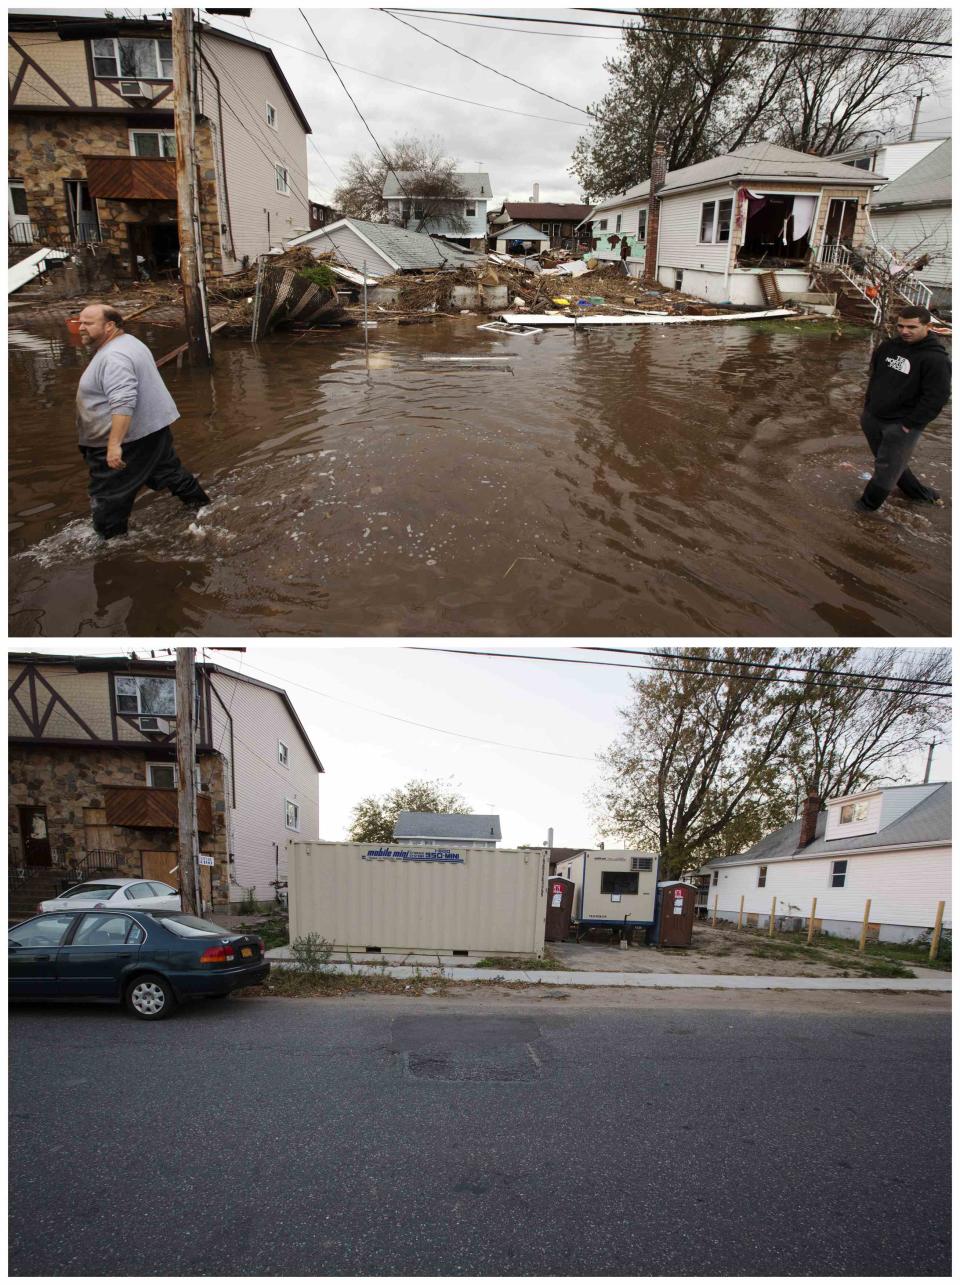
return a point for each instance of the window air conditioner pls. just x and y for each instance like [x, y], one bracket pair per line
[151, 723]
[135, 89]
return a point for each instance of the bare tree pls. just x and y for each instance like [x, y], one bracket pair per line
[427, 182]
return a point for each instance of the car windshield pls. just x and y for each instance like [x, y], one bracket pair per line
[191, 926]
[91, 890]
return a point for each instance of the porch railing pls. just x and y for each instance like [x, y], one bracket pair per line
[850, 265]
[904, 282]
[29, 232]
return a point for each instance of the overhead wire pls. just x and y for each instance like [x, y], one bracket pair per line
[390, 170]
[762, 26]
[523, 85]
[753, 664]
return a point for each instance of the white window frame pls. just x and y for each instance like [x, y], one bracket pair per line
[270, 108]
[159, 134]
[283, 754]
[601, 225]
[140, 713]
[713, 238]
[761, 876]
[117, 74]
[279, 170]
[287, 805]
[641, 225]
[619, 222]
[149, 773]
[859, 810]
[471, 210]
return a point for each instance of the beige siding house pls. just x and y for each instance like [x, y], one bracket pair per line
[92, 768]
[890, 845]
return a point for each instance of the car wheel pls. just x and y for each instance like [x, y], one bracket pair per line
[150, 997]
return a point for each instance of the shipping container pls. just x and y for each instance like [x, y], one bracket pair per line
[614, 888]
[439, 899]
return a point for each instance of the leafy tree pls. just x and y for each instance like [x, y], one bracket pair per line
[374, 818]
[426, 175]
[712, 756]
[711, 92]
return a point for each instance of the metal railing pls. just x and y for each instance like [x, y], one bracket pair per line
[51, 235]
[905, 283]
[850, 265]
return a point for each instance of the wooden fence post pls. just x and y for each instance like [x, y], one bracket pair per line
[935, 943]
[773, 916]
[740, 915]
[863, 930]
[715, 900]
[813, 920]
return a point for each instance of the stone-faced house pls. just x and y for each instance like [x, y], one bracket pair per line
[92, 767]
[92, 149]
[718, 229]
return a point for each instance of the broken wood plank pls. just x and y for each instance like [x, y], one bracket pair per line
[176, 352]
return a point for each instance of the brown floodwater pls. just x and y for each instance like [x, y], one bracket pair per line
[684, 480]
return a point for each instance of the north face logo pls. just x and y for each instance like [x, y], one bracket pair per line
[899, 363]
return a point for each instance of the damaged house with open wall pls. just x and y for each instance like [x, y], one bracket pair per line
[721, 228]
[92, 145]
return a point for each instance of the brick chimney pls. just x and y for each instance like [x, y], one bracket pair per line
[808, 819]
[658, 175]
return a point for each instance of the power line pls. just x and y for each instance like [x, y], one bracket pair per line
[420, 89]
[762, 26]
[665, 669]
[758, 664]
[443, 731]
[666, 31]
[390, 169]
[543, 94]
[424, 15]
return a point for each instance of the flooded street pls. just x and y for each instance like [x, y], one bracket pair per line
[678, 480]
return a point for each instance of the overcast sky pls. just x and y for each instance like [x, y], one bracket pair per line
[515, 149]
[351, 698]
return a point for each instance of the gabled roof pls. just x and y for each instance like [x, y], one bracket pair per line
[545, 210]
[402, 249]
[74, 25]
[107, 664]
[752, 163]
[521, 232]
[446, 825]
[927, 822]
[926, 183]
[474, 183]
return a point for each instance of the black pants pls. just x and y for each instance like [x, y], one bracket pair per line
[149, 461]
[892, 449]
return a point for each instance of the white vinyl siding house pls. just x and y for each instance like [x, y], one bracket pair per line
[262, 211]
[929, 229]
[890, 846]
[268, 792]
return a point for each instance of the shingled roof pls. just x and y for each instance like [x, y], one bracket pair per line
[446, 825]
[929, 182]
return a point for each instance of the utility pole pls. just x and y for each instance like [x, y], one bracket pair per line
[187, 845]
[191, 258]
[916, 115]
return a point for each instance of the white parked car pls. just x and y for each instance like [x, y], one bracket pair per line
[143, 894]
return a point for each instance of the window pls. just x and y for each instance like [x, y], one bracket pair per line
[642, 225]
[716, 877]
[556, 229]
[163, 890]
[862, 164]
[618, 882]
[101, 890]
[471, 211]
[282, 180]
[162, 776]
[678, 279]
[18, 198]
[619, 221]
[292, 814]
[48, 931]
[762, 877]
[154, 142]
[838, 874]
[724, 214]
[851, 812]
[136, 695]
[715, 221]
[707, 213]
[271, 116]
[130, 56]
[137, 891]
[189, 925]
[602, 225]
[103, 930]
[283, 754]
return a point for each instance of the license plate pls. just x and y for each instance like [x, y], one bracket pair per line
[246, 951]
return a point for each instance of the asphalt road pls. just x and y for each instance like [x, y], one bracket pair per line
[770, 1135]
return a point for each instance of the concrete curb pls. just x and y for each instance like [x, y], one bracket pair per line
[649, 981]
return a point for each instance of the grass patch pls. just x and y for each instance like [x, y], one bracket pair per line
[782, 950]
[520, 963]
[881, 952]
[275, 931]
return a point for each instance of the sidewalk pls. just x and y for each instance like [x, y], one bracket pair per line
[933, 981]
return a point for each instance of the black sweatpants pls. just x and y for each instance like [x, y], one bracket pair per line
[150, 461]
[892, 449]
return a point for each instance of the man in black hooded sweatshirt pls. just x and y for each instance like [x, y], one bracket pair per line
[909, 386]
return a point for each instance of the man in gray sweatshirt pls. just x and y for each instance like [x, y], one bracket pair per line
[124, 413]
